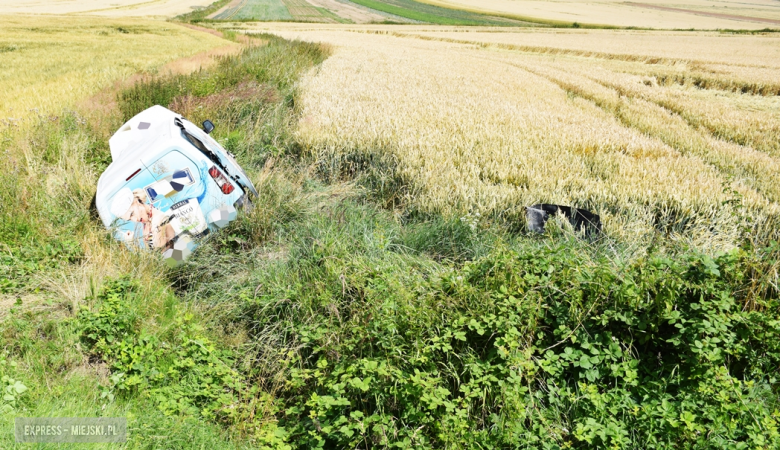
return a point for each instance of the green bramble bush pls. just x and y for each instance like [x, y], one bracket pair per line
[365, 330]
[11, 388]
[182, 370]
[537, 346]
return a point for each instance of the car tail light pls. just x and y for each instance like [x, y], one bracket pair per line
[222, 182]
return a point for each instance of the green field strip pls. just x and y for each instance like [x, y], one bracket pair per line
[231, 11]
[304, 11]
[203, 13]
[331, 15]
[424, 12]
[521, 18]
[413, 14]
[257, 10]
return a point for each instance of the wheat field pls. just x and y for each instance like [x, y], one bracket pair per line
[668, 14]
[480, 126]
[46, 64]
[117, 8]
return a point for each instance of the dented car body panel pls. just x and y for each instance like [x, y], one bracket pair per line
[169, 181]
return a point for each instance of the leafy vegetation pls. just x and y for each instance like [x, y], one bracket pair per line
[10, 388]
[330, 317]
[549, 343]
[160, 373]
[180, 370]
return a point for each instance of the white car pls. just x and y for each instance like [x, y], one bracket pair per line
[169, 183]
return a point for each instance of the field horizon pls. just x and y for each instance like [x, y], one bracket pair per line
[655, 14]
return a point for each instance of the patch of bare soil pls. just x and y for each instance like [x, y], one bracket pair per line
[36, 303]
[92, 368]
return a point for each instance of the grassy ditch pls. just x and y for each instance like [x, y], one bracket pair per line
[325, 319]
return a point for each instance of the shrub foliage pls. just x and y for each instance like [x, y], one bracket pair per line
[533, 346]
[447, 333]
[365, 328]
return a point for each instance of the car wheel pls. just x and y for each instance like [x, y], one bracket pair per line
[244, 203]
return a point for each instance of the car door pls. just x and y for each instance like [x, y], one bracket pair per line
[176, 193]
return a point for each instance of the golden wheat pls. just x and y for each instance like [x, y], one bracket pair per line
[744, 119]
[480, 128]
[755, 168]
[46, 64]
[114, 8]
[759, 50]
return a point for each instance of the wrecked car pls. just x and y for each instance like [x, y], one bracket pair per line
[169, 184]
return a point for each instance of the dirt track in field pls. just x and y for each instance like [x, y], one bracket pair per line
[707, 14]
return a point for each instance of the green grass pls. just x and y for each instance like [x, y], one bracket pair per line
[410, 9]
[448, 333]
[330, 317]
[533, 21]
[62, 382]
[54, 346]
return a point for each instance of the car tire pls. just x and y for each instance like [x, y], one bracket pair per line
[245, 204]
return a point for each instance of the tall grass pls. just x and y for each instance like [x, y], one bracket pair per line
[336, 314]
[374, 327]
[57, 259]
[446, 333]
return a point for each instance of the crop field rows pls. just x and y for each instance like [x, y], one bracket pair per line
[254, 10]
[304, 11]
[230, 11]
[334, 11]
[478, 125]
[660, 14]
[423, 12]
[685, 14]
[736, 69]
[296, 10]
